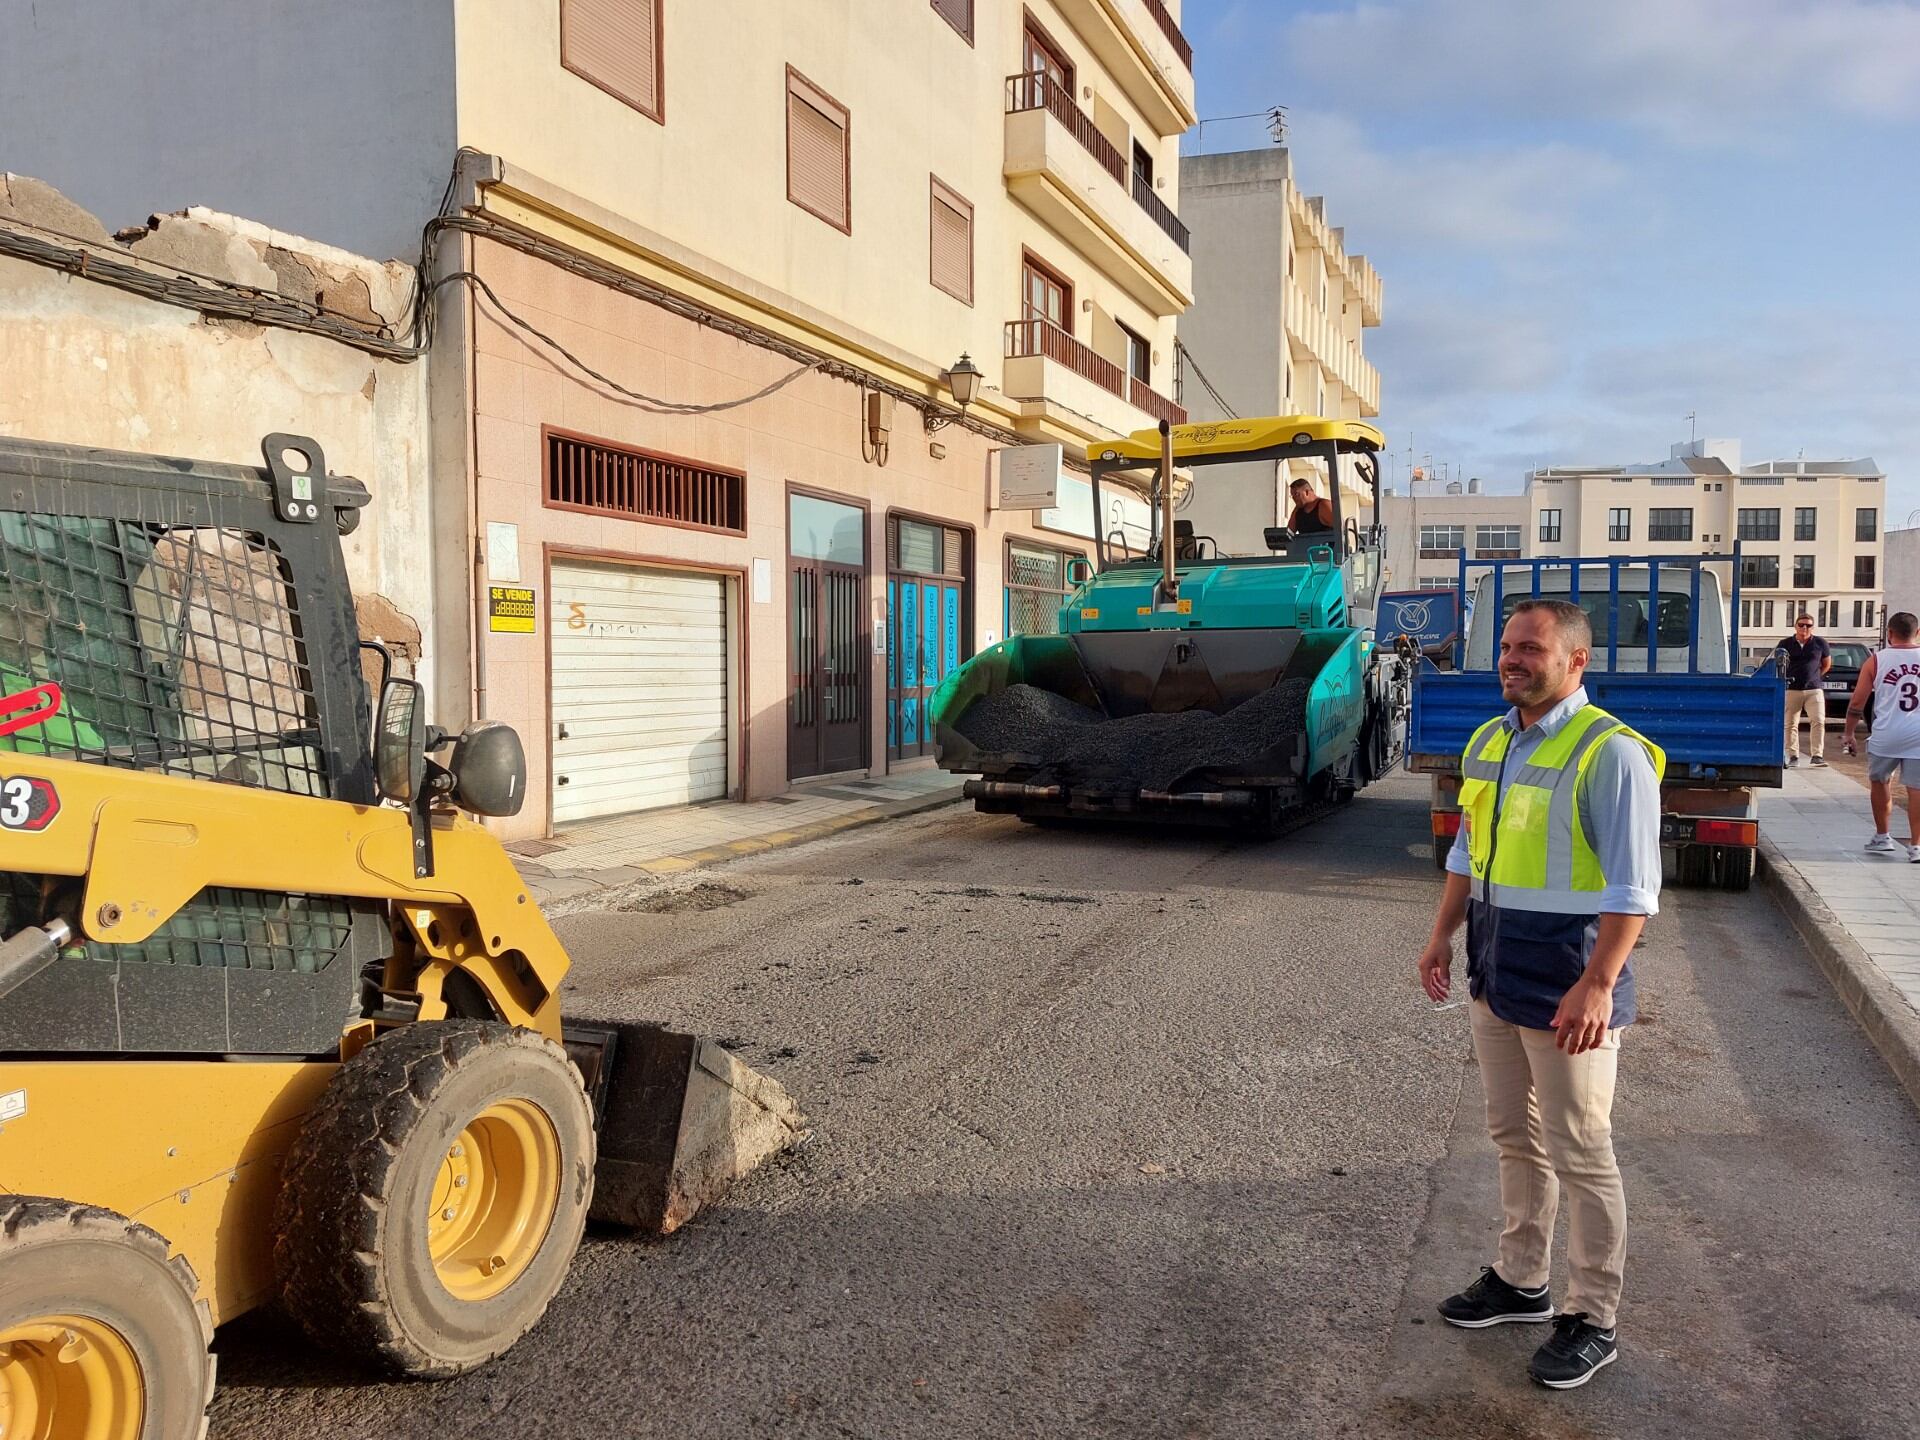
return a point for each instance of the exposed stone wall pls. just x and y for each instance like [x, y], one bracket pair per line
[85, 363]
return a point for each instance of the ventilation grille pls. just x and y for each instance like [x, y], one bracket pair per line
[611, 480]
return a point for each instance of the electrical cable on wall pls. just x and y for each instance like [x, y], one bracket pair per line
[1185, 356]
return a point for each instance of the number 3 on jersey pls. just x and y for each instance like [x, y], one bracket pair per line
[27, 803]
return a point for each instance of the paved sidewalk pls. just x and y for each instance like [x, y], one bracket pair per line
[587, 860]
[1859, 912]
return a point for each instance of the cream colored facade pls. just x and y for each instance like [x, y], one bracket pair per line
[1278, 326]
[1427, 530]
[696, 204]
[1811, 532]
[627, 184]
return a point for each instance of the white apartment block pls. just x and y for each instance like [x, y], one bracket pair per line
[1427, 530]
[1278, 321]
[1810, 531]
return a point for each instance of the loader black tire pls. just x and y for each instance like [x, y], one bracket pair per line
[63, 1260]
[365, 1180]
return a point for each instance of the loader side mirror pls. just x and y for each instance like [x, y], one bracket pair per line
[1079, 571]
[489, 769]
[400, 741]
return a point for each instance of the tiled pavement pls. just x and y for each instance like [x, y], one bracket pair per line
[585, 860]
[1859, 912]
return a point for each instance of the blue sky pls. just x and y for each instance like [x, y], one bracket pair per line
[1593, 216]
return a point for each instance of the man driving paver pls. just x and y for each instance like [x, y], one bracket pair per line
[1311, 515]
[1555, 871]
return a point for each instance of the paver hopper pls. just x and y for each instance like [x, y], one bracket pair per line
[1185, 684]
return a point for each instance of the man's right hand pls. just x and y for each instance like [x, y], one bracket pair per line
[1436, 969]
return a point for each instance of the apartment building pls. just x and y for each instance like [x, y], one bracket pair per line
[1810, 531]
[1429, 527]
[1278, 325]
[713, 279]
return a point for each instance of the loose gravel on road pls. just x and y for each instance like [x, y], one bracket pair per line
[1125, 1134]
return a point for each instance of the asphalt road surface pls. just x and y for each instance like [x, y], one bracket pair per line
[1149, 1135]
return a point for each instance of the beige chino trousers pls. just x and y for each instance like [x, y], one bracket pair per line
[1812, 703]
[1551, 1117]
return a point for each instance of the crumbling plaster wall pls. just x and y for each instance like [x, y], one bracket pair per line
[84, 363]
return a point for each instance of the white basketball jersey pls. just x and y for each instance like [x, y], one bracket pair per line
[1896, 704]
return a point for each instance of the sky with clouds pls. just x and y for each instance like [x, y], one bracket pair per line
[1594, 216]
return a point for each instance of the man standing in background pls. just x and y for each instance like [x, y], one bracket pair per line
[1891, 677]
[1808, 661]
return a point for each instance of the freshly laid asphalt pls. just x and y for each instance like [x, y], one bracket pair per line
[1139, 1134]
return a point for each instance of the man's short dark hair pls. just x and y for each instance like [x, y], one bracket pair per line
[1803, 617]
[1901, 625]
[1300, 483]
[1570, 620]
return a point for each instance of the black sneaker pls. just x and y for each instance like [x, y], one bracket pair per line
[1577, 1350]
[1819, 762]
[1491, 1301]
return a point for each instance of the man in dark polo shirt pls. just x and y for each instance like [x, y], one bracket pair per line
[1808, 661]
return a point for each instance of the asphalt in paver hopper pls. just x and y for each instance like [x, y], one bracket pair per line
[279, 1020]
[1185, 685]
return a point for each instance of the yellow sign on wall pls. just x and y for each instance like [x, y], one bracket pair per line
[510, 609]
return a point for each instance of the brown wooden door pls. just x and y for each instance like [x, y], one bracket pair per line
[827, 638]
[1045, 296]
[1042, 56]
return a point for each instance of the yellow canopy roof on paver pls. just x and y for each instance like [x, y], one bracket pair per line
[1217, 439]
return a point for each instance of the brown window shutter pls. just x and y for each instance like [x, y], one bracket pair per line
[957, 13]
[954, 561]
[952, 244]
[616, 45]
[817, 152]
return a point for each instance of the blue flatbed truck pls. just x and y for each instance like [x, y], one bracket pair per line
[1664, 661]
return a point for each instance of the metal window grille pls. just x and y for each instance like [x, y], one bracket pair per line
[1806, 523]
[1758, 524]
[177, 650]
[1866, 524]
[1803, 572]
[1036, 585]
[1761, 571]
[1863, 569]
[614, 480]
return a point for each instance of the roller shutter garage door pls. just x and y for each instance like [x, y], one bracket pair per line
[641, 703]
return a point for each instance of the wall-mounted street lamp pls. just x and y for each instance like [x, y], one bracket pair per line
[964, 381]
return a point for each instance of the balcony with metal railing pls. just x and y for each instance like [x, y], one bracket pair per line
[1064, 169]
[1141, 46]
[1048, 366]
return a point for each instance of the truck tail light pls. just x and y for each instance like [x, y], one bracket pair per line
[1446, 822]
[1728, 832]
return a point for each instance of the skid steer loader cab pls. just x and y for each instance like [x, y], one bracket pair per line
[262, 1035]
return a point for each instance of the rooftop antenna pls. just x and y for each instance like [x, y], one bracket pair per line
[1690, 428]
[1277, 124]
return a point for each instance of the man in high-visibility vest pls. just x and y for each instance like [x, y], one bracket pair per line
[1555, 871]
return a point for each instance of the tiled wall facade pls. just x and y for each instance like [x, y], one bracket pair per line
[810, 433]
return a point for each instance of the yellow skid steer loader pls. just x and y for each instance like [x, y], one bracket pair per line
[277, 1020]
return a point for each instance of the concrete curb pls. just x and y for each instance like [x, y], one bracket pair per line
[568, 894]
[1863, 986]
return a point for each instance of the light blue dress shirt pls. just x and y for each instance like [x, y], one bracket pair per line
[1619, 811]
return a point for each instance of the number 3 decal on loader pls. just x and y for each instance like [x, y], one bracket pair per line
[27, 803]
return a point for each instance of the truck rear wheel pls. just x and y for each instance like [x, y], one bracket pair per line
[101, 1334]
[432, 1206]
[1736, 866]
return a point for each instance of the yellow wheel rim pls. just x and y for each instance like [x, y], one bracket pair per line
[68, 1377]
[493, 1200]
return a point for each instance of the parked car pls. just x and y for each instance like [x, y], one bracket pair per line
[1848, 657]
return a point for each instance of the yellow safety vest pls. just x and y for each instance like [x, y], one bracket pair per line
[1532, 853]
